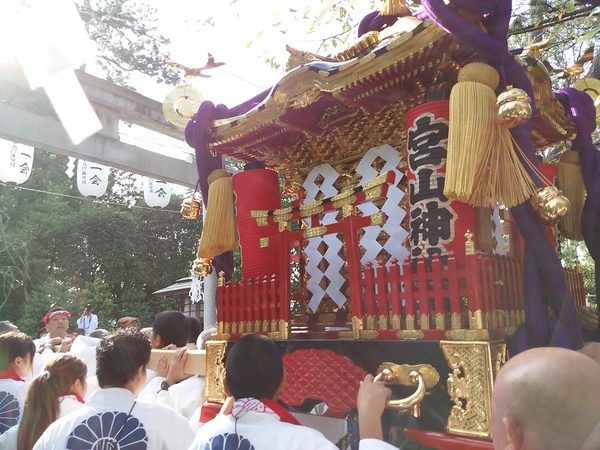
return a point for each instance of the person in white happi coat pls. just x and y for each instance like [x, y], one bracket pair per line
[112, 417]
[254, 375]
[16, 360]
[56, 392]
[88, 322]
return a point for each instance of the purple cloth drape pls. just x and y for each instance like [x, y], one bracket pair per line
[545, 283]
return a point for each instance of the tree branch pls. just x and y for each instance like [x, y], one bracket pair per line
[551, 22]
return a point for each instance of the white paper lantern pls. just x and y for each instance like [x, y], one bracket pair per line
[92, 179]
[157, 194]
[16, 162]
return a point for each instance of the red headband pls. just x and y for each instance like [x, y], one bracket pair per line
[60, 312]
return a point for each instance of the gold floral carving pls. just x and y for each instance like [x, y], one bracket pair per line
[379, 180]
[260, 213]
[470, 382]
[439, 321]
[373, 193]
[396, 322]
[264, 242]
[410, 322]
[467, 335]
[424, 322]
[262, 221]
[410, 334]
[345, 201]
[476, 320]
[455, 321]
[312, 208]
[305, 98]
[215, 371]
[346, 335]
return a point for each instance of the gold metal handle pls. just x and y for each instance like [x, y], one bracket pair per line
[423, 376]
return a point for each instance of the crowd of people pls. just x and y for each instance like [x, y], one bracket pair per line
[95, 391]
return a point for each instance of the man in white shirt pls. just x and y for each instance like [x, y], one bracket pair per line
[254, 375]
[88, 322]
[112, 418]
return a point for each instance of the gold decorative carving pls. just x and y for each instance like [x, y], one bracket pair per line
[396, 322]
[326, 317]
[262, 221]
[264, 242]
[215, 371]
[370, 322]
[305, 98]
[424, 322]
[344, 201]
[410, 322]
[357, 326]
[455, 321]
[378, 218]
[282, 211]
[315, 231]
[476, 320]
[373, 193]
[473, 366]
[346, 335]
[410, 334]
[439, 321]
[279, 218]
[368, 334]
[347, 211]
[341, 196]
[382, 323]
[467, 335]
[312, 208]
[379, 180]
[221, 279]
[257, 214]
[469, 244]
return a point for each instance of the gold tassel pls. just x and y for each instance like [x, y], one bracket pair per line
[219, 233]
[471, 129]
[394, 8]
[483, 166]
[570, 182]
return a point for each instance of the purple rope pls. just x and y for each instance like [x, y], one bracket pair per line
[546, 283]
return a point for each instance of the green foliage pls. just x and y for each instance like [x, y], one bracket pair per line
[70, 251]
[127, 40]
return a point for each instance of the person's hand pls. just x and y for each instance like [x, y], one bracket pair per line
[371, 400]
[170, 347]
[176, 373]
[55, 341]
[162, 368]
[65, 346]
[588, 317]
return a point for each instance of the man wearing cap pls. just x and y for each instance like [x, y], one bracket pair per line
[57, 324]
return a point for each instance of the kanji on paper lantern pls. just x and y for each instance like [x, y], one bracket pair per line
[16, 162]
[157, 194]
[92, 179]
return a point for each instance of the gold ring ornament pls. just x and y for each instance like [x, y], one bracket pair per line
[181, 104]
[203, 267]
[591, 86]
[513, 107]
[190, 206]
[423, 376]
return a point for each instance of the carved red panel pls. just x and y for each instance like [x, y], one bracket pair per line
[322, 375]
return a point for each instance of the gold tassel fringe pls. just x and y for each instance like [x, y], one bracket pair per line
[482, 167]
[570, 182]
[219, 233]
[394, 8]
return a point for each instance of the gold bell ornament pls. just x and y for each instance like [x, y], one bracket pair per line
[190, 206]
[513, 107]
[203, 267]
[550, 205]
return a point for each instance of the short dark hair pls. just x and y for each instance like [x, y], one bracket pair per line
[254, 367]
[14, 344]
[173, 327]
[195, 329]
[119, 357]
